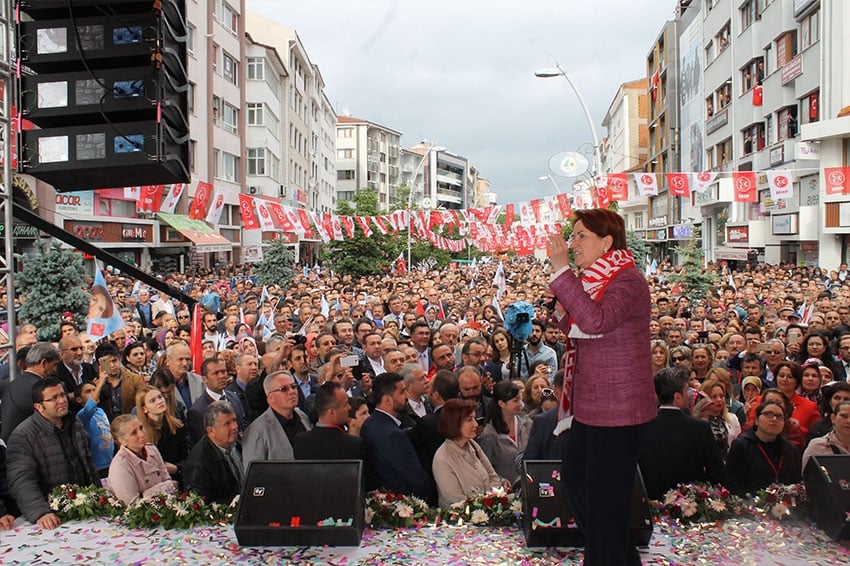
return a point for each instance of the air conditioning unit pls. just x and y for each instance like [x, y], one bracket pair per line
[253, 190]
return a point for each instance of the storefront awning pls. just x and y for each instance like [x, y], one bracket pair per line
[200, 233]
[738, 254]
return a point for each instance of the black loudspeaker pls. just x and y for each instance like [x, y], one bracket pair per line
[302, 503]
[547, 519]
[827, 480]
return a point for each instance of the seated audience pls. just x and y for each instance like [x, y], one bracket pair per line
[214, 466]
[506, 430]
[270, 437]
[137, 470]
[460, 466]
[215, 378]
[833, 394]
[425, 435]
[162, 428]
[542, 442]
[724, 425]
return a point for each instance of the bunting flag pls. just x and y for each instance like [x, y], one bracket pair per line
[618, 186]
[601, 196]
[150, 198]
[744, 183]
[103, 318]
[203, 193]
[679, 184]
[535, 210]
[172, 197]
[381, 225]
[348, 224]
[214, 213]
[280, 217]
[563, 206]
[509, 215]
[837, 180]
[780, 185]
[703, 180]
[363, 222]
[647, 183]
[336, 228]
[321, 226]
[305, 222]
[249, 216]
[132, 193]
[265, 216]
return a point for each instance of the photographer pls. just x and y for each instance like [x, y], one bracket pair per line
[535, 350]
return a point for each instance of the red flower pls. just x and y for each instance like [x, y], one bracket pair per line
[771, 498]
[488, 502]
[724, 493]
[101, 500]
[72, 494]
[183, 496]
[384, 512]
[155, 518]
[702, 495]
[390, 497]
[195, 506]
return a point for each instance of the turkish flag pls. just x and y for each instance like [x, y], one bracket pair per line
[679, 184]
[758, 95]
[202, 196]
[249, 214]
[837, 180]
[618, 186]
[745, 186]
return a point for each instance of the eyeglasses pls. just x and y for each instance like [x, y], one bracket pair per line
[53, 399]
[284, 389]
[773, 416]
[182, 316]
[678, 358]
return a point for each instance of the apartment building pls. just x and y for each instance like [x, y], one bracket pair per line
[367, 156]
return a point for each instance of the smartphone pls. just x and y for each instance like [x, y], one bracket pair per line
[765, 347]
[349, 361]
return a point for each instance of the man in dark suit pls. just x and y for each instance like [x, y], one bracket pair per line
[677, 448]
[299, 366]
[214, 374]
[417, 405]
[391, 460]
[42, 360]
[542, 444]
[247, 370]
[425, 436]
[73, 371]
[328, 440]
[214, 465]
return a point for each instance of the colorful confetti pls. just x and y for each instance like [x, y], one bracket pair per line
[737, 541]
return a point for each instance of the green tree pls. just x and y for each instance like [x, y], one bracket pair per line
[277, 265]
[692, 276]
[361, 256]
[51, 284]
[638, 248]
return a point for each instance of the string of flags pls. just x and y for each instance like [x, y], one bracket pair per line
[491, 229]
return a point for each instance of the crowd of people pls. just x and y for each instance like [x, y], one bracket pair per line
[417, 374]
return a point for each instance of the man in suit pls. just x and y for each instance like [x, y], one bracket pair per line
[416, 404]
[247, 370]
[215, 381]
[677, 448]
[328, 440]
[425, 436]
[270, 437]
[188, 384]
[391, 459]
[73, 371]
[299, 365]
[542, 444]
[17, 405]
[372, 362]
[214, 466]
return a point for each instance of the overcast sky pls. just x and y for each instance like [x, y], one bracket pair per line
[461, 72]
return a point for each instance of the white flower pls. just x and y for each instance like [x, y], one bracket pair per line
[458, 504]
[671, 497]
[779, 510]
[689, 508]
[180, 510]
[479, 517]
[717, 505]
[498, 491]
[404, 511]
[369, 514]
[80, 499]
[516, 506]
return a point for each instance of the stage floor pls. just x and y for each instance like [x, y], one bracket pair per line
[731, 542]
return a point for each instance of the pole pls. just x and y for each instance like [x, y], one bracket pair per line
[410, 200]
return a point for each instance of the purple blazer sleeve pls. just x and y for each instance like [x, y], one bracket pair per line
[613, 383]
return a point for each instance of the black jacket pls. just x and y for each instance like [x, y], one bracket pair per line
[208, 473]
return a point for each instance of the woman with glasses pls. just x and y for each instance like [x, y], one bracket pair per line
[680, 356]
[762, 455]
[817, 345]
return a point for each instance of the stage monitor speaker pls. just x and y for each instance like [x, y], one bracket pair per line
[547, 519]
[827, 480]
[302, 503]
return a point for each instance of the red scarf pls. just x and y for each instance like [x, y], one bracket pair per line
[595, 280]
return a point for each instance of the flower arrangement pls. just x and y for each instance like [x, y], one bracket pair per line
[79, 503]
[171, 511]
[389, 510]
[700, 502]
[779, 501]
[497, 507]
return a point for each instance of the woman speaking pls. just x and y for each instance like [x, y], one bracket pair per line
[608, 387]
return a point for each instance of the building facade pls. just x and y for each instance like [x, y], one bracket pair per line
[367, 156]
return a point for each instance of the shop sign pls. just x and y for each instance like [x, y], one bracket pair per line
[738, 234]
[134, 232]
[92, 232]
[76, 202]
[791, 70]
[777, 155]
[21, 231]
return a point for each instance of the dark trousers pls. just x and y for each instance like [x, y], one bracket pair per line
[598, 469]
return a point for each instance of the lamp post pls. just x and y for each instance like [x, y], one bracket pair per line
[431, 147]
[551, 178]
[559, 71]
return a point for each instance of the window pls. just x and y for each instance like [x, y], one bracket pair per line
[230, 122]
[752, 74]
[786, 48]
[709, 52]
[229, 18]
[346, 132]
[721, 40]
[256, 68]
[255, 113]
[748, 14]
[193, 155]
[216, 162]
[229, 167]
[787, 120]
[810, 106]
[216, 109]
[709, 106]
[809, 32]
[724, 94]
[345, 154]
[190, 39]
[753, 138]
[190, 96]
[230, 69]
[256, 160]
[345, 174]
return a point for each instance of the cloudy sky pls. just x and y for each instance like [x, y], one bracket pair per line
[461, 72]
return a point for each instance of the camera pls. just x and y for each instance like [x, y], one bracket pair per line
[299, 339]
[522, 318]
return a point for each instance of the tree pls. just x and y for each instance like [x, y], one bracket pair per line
[276, 267]
[637, 246]
[692, 276]
[51, 284]
[361, 256]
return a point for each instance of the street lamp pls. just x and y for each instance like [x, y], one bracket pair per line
[559, 71]
[551, 178]
[431, 147]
